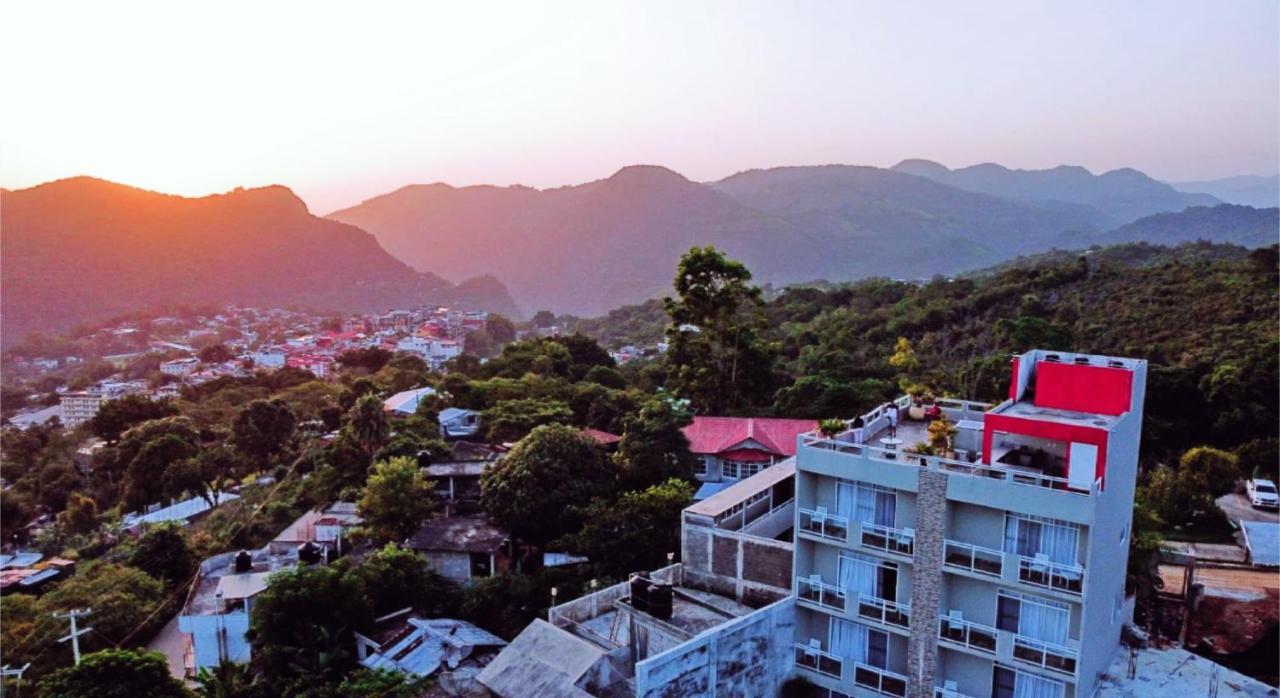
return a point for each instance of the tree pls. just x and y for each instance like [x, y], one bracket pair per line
[162, 552]
[264, 429]
[510, 420]
[500, 329]
[114, 417]
[301, 625]
[394, 578]
[633, 532]
[81, 514]
[216, 354]
[397, 499]
[115, 673]
[144, 478]
[653, 447]
[717, 358]
[122, 598]
[229, 680]
[532, 490]
[370, 359]
[1210, 471]
[369, 424]
[544, 319]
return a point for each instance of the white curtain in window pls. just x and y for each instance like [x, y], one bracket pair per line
[1043, 621]
[1030, 538]
[850, 641]
[875, 506]
[1059, 543]
[1028, 686]
[844, 498]
[859, 575]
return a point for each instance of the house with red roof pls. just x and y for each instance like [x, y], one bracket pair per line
[730, 449]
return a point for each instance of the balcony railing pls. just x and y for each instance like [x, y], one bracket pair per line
[940, 692]
[1048, 655]
[879, 680]
[968, 634]
[1051, 575]
[814, 659]
[819, 592]
[973, 558]
[889, 539]
[824, 525]
[884, 611]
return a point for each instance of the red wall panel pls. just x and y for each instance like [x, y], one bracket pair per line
[1069, 433]
[1096, 389]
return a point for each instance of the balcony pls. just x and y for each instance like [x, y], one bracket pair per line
[973, 558]
[1046, 655]
[823, 525]
[1040, 572]
[812, 657]
[900, 541]
[879, 680]
[883, 611]
[817, 592]
[944, 692]
[974, 636]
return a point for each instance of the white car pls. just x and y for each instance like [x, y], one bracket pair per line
[1262, 494]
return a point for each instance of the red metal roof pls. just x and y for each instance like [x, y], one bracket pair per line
[714, 435]
[603, 438]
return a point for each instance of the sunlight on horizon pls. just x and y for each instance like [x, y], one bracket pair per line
[341, 104]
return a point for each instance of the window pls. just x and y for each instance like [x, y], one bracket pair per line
[758, 497]
[739, 470]
[701, 467]
[1031, 536]
[860, 574]
[729, 470]
[866, 503]
[1124, 534]
[1033, 617]
[1009, 683]
[857, 643]
[481, 565]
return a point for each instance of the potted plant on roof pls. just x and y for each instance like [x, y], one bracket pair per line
[831, 428]
[940, 432]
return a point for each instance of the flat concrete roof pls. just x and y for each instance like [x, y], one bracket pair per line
[1176, 672]
[1028, 410]
[1263, 541]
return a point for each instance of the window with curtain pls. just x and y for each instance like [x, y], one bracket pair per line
[856, 642]
[1008, 683]
[1029, 537]
[859, 574]
[866, 503]
[1033, 617]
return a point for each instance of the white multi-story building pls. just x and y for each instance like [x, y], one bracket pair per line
[997, 572]
[80, 406]
[180, 367]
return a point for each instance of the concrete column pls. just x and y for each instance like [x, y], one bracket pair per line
[926, 582]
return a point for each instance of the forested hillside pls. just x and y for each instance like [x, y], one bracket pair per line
[1204, 316]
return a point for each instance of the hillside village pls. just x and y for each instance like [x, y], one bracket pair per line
[441, 502]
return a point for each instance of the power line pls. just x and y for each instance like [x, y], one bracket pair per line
[6, 672]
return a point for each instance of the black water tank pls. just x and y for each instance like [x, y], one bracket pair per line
[244, 562]
[640, 592]
[661, 601]
[308, 553]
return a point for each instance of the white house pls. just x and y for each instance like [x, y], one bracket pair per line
[180, 367]
[457, 423]
[270, 358]
[406, 402]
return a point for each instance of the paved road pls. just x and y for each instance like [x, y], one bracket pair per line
[1237, 508]
[170, 642]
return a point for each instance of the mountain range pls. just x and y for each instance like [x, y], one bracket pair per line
[587, 248]
[1248, 190]
[83, 250]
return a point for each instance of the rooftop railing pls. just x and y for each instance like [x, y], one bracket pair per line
[942, 692]
[879, 680]
[810, 656]
[824, 525]
[816, 591]
[948, 465]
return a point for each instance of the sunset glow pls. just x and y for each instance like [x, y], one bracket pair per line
[340, 106]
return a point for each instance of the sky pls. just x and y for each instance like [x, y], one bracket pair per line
[343, 101]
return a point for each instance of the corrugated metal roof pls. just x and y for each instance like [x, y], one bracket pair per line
[242, 586]
[717, 434]
[739, 492]
[20, 560]
[1263, 541]
[182, 511]
[422, 651]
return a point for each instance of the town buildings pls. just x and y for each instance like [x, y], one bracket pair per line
[180, 367]
[458, 423]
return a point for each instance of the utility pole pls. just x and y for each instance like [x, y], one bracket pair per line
[6, 672]
[74, 637]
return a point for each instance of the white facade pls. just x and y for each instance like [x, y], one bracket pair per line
[271, 358]
[179, 367]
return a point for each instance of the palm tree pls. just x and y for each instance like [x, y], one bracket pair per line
[369, 424]
[228, 680]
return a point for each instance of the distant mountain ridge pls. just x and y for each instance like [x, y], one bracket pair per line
[587, 248]
[84, 249]
[1247, 190]
[1225, 223]
[1120, 196]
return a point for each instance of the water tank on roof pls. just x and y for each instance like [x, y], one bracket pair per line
[308, 553]
[244, 562]
[640, 591]
[661, 601]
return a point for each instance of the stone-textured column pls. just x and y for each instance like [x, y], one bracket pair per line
[926, 581]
